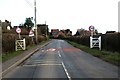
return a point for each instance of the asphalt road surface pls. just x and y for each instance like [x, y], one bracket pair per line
[61, 60]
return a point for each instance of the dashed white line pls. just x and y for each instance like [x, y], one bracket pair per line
[64, 67]
[59, 55]
[66, 71]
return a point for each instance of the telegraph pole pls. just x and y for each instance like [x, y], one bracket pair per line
[35, 21]
[46, 28]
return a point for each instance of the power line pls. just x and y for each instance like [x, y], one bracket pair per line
[28, 2]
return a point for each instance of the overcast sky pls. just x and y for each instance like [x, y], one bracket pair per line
[64, 14]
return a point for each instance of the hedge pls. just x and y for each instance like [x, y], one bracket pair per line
[110, 42]
[8, 41]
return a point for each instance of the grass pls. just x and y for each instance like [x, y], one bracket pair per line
[111, 57]
[16, 53]
[10, 55]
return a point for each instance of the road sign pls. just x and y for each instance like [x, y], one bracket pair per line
[18, 30]
[31, 33]
[91, 28]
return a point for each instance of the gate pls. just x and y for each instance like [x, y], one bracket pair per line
[20, 45]
[95, 42]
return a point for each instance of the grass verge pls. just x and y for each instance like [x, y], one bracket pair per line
[10, 55]
[16, 53]
[113, 58]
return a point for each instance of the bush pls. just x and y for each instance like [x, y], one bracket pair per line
[41, 38]
[12, 31]
[9, 37]
[24, 31]
[27, 39]
[8, 42]
[111, 42]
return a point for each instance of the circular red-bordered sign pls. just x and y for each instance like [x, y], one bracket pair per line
[91, 28]
[18, 30]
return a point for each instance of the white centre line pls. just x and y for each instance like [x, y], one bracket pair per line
[66, 71]
[64, 67]
[59, 55]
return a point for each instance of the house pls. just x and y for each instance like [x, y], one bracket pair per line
[55, 33]
[67, 32]
[6, 25]
[42, 29]
[82, 32]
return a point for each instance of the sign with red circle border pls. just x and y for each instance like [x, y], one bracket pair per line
[18, 30]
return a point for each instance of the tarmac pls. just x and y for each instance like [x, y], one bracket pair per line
[12, 63]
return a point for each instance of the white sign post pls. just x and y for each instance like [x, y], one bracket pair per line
[94, 41]
[20, 44]
[91, 29]
[18, 30]
[31, 34]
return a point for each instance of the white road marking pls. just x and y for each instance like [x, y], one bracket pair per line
[64, 67]
[66, 71]
[42, 65]
[59, 55]
[51, 49]
[49, 64]
[42, 50]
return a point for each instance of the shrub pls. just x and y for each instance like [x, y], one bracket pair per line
[111, 42]
[8, 42]
[41, 38]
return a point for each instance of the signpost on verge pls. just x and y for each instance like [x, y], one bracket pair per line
[94, 41]
[91, 29]
[18, 30]
[20, 44]
[31, 34]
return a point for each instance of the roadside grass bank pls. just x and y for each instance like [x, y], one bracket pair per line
[110, 57]
[16, 53]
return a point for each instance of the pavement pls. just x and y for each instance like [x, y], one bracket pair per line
[12, 63]
[60, 60]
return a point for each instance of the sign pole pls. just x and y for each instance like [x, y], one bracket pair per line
[91, 29]
[19, 36]
[92, 33]
[31, 34]
[18, 30]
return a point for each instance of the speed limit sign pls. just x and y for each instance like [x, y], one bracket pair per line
[18, 30]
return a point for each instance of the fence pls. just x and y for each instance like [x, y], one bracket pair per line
[95, 42]
[20, 44]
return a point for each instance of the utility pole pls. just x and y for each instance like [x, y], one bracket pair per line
[46, 28]
[35, 21]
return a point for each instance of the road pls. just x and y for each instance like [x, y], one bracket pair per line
[61, 60]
